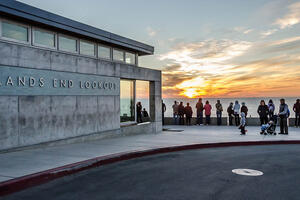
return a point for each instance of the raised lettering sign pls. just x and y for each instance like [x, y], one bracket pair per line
[32, 82]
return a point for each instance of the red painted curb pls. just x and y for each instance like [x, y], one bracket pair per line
[31, 180]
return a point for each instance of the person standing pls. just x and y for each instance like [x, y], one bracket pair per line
[199, 107]
[188, 114]
[243, 123]
[139, 112]
[263, 111]
[207, 109]
[163, 110]
[181, 113]
[271, 107]
[230, 113]
[236, 110]
[219, 112]
[296, 109]
[283, 115]
[175, 113]
[244, 109]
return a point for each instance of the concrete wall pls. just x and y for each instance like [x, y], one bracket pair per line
[250, 121]
[28, 120]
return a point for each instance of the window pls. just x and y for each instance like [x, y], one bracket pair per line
[118, 55]
[130, 58]
[87, 48]
[143, 96]
[67, 44]
[44, 38]
[15, 31]
[127, 101]
[24, 33]
[104, 52]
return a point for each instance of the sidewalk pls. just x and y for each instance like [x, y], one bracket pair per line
[25, 162]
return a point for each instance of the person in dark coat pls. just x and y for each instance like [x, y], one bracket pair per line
[263, 111]
[230, 113]
[181, 113]
[145, 113]
[296, 109]
[244, 109]
[200, 108]
[188, 114]
[283, 115]
[139, 112]
[163, 110]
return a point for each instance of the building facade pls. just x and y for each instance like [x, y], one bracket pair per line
[61, 80]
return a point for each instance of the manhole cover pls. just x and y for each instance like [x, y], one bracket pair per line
[247, 172]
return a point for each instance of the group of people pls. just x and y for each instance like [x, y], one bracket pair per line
[180, 111]
[140, 112]
[236, 112]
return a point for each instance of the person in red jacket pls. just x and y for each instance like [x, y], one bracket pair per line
[207, 109]
[188, 111]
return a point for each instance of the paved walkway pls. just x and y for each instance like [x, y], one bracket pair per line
[25, 162]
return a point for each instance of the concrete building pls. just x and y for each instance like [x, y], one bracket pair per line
[61, 80]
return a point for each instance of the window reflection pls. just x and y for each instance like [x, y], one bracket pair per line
[127, 101]
[67, 44]
[14, 31]
[118, 55]
[104, 52]
[44, 38]
[130, 58]
[143, 96]
[87, 48]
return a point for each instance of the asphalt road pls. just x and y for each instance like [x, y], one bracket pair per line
[197, 174]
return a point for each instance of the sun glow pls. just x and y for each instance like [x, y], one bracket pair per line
[192, 88]
[218, 69]
[193, 93]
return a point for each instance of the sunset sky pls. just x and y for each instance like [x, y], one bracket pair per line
[216, 48]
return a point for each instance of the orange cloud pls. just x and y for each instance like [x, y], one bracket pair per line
[202, 70]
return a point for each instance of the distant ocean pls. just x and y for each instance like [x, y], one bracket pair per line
[251, 103]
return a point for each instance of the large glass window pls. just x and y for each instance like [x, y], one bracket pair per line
[44, 38]
[14, 31]
[127, 101]
[130, 58]
[67, 44]
[87, 48]
[143, 96]
[118, 55]
[104, 52]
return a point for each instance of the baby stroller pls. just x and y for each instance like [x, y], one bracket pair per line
[270, 127]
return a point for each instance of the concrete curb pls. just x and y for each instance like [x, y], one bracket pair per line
[18, 184]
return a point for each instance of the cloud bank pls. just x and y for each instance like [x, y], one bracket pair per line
[211, 68]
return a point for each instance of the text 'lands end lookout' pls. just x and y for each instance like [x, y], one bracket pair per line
[63, 80]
